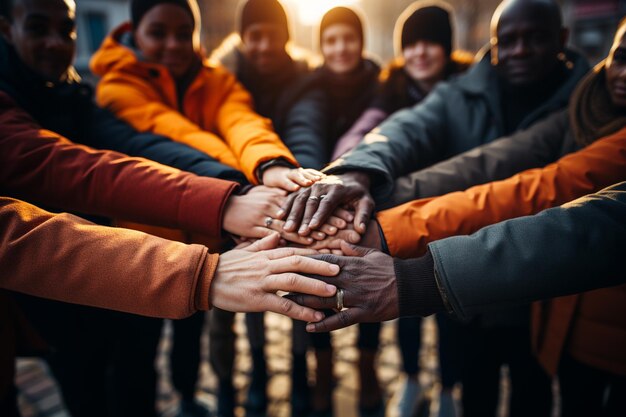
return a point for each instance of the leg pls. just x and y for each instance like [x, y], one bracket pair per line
[324, 380]
[222, 357]
[300, 404]
[257, 395]
[370, 399]
[410, 341]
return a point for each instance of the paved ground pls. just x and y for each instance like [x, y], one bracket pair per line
[40, 397]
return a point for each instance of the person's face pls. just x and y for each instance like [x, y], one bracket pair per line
[527, 47]
[43, 33]
[264, 47]
[165, 36]
[425, 61]
[616, 70]
[341, 48]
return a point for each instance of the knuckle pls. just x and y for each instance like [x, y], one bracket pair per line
[286, 306]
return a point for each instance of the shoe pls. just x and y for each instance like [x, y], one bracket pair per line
[410, 396]
[226, 399]
[192, 409]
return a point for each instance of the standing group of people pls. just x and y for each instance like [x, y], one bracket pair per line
[524, 126]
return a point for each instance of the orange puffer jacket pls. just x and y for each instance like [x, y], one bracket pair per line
[216, 117]
[410, 227]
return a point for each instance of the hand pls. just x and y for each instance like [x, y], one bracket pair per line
[290, 179]
[247, 280]
[250, 216]
[332, 244]
[368, 281]
[309, 208]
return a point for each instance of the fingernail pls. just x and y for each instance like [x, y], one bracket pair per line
[362, 225]
[320, 235]
[334, 269]
[280, 213]
[319, 316]
[350, 217]
[310, 328]
[309, 239]
[302, 228]
[332, 229]
[288, 225]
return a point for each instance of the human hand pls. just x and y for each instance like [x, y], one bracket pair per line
[290, 179]
[308, 208]
[246, 280]
[370, 293]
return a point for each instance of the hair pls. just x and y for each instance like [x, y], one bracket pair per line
[345, 15]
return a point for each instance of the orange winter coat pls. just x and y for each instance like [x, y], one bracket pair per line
[216, 114]
[408, 228]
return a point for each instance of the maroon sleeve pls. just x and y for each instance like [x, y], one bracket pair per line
[41, 166]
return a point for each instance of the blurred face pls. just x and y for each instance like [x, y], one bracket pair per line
[616, 70]
[341, 47]
[264, 47]
[165, 36]
[43, 34]
[527, 46]
[425, 61]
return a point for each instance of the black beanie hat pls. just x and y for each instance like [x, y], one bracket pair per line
[431, 23]
[263, 11]
[341, 15]
[138, 8]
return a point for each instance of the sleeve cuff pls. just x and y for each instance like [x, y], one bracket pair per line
[418, 292]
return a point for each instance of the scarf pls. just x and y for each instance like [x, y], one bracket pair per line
[592, 113]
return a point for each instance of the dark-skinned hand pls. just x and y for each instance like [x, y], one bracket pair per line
[368, 280]
[306, 211]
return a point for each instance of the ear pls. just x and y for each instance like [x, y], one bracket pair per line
[5, 29]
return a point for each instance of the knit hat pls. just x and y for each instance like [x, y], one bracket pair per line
[138, 9]
[341, 15]
[263, 11]
[429, 21]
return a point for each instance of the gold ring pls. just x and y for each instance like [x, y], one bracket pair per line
[339, 297]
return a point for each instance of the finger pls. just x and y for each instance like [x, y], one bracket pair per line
[337, 222]
[286, 206]
[312, 174]
[267, 243]
[291, 251]
[310, 208]
[297, 210]
[288, 308]
[364, 209]
[298, 177]
[318, 235]
[345, 215]
[325, 208]
[313, 301]
[340, 320]
[353, 250]
[279, 226]
[329, 229]
[303, 264]
[286, 183]
[289, 282]
[338, 252]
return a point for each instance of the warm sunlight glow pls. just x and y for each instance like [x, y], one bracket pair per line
[310, 12]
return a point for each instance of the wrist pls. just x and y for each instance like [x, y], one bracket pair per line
[360, 177]
[418, 291]
[266, 166]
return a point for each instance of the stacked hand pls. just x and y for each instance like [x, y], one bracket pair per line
[247, 279]
[368, 284]
[290, 179]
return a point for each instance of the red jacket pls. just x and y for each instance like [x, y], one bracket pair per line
[41, 166]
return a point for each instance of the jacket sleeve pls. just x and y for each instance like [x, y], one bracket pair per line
[42, 166]
[535, 147]
[109, 132]
[75, 261]
[304, 130]
[139, 106]
[410, 227]
[250, 136]
[570, 249]
[370, 118]
[408, 140]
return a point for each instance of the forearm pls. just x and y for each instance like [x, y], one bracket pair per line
[65, 258]
[565, 250]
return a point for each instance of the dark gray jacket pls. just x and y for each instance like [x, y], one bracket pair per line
[457, 116]
[569, 249]
[539, 145]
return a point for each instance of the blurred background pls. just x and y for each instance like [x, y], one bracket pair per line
[591, 22]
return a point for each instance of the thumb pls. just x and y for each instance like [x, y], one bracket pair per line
[349, 249]
[268, 242]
